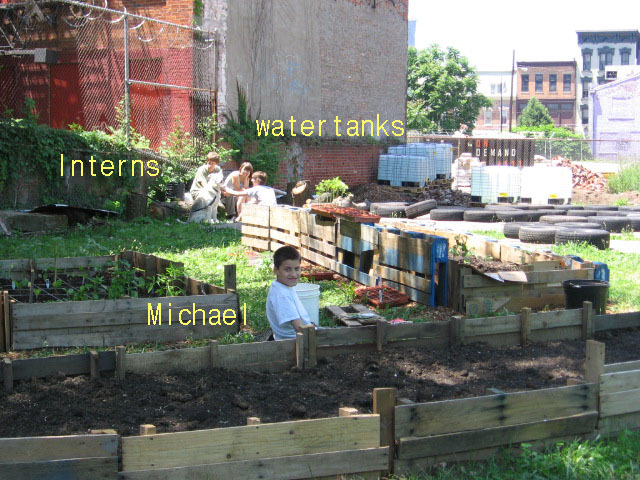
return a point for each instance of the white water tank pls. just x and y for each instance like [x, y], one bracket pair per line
[546, 185]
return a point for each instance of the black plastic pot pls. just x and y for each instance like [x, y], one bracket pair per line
[594, 291]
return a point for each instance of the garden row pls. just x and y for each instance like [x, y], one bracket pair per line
[183, 304]
[413, 259]
[401, 436]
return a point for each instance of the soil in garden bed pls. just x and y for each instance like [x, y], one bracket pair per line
[62, 406]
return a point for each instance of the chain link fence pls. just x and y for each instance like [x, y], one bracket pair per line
[101, 68]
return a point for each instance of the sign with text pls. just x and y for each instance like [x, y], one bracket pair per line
[517, 152]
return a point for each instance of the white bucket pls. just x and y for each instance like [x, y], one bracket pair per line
[309, 295]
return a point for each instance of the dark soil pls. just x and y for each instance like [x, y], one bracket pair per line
[485, 265]
[72, 405]
[378, 193]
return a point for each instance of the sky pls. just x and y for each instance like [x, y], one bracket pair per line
[487, 31]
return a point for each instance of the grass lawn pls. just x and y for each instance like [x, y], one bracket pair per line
[624, 291]
[590, 460]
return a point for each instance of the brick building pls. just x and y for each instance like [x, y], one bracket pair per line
[554, 84]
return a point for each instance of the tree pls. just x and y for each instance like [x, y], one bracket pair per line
[442, 90]
[535, 114]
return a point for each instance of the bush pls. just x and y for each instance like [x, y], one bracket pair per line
[334, 186]
[628, 180]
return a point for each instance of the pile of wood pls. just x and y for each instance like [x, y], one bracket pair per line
[583, 177]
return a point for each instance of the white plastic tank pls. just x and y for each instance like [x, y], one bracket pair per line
[544, 185]
[495, 184]
[384, 168]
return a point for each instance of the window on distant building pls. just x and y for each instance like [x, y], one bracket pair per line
[601, 81]
[586, 59]
[586, 82]
[525, 83]
[505, 115]
[539, 77]
[585, 115]
[605, 54]
[566, 83]
[625, 54]
[553, 109]
[553, 82]
[567, 107]
[488, 116]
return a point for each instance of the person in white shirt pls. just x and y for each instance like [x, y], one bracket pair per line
[260, 193]
[237, 180]
[285, 312]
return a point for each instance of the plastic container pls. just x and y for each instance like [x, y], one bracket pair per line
[545, 185]
[594, 291]
[309, 295]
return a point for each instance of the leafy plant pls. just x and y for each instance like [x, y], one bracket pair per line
[334, 186]
[627, 180]
[170, 283]
[535, 114]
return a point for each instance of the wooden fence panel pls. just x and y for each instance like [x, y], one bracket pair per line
[253, 442]
[450, 416]
[616, 320]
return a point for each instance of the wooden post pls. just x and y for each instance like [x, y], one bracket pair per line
[93, 364]
[32, 278]
[253, 421]
[381, 334]
[309, 332]
[214, 353]
[121, 353]
[7, 374]
[588, 328]
[2, 349]
[455, 324]
[300, 350]
[347, 412]
[525, 325]
[147, 429]
[230, 278]
[6, 307]
[594, 361]
[384, 403]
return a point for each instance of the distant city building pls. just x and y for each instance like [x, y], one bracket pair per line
[497, 86]
[412, 33]
[615, 119]
[554, 84]
[597, 50]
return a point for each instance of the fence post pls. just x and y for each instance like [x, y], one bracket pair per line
[214, 354]
[6, 308]
[587, 321]
[381, 334]
[148, 429]
[594, 361]
[525, 325]
[230, 285]
[456, 334]
[93, 364]
[7, 374]
[300, 351]
[309, 333]
[384, 403]
[121, 353]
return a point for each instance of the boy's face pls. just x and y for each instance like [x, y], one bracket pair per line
[288, 273]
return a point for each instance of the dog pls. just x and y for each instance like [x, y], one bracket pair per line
[205, 206]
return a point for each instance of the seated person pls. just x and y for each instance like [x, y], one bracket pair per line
[237, 180]
[260, 193]
[285, 312]
[206, 190]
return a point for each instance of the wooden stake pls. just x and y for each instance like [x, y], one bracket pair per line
[2, 349]
[347, 412]
[230, 278]
[6, 306]
[121, 353]
[594, 361]
[381, 334]
[309, 331]
[525, 325]
[253, 421]
[93, 364]
[456, 330]
[214, 354]
[587, 321]
[300, 351]
[384, 403]
[7, 373]
[147, 429]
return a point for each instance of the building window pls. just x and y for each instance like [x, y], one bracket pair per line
[585, 115]
[625, 54]
[585, 87]
[505, 115]
[566, 107]
[566, 83]
[605, 55]
[586, 59]
[553, 82]
[488, 116]
[553, 109]
[601, 81]
[525, 83]
[497, 88]
[539, 77]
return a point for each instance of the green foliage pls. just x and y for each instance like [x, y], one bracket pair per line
[264, 152]
[535, 114]
[627, 180]
[620, 202]
[442, 90]
[335, 186]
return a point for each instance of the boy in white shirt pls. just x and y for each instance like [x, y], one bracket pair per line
[285, 312]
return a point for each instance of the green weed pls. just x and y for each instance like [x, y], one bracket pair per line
[627, 180]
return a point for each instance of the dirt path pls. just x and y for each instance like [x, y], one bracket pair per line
[61, 406]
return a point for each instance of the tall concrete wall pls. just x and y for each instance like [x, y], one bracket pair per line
[314, 59]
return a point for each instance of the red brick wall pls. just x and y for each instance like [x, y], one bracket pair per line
[354, 164]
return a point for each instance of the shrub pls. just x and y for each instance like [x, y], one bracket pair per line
[334, 186]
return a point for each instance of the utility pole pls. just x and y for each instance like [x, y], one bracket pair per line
[513, 67]
[501, 82]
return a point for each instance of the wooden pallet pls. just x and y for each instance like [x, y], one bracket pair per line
[354, 315]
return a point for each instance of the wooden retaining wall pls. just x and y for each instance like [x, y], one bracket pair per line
[112, 322]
